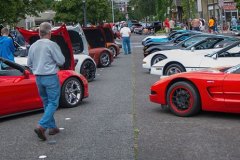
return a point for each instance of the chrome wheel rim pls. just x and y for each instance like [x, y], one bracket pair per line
[88, 70]
[173, 70]
[105, 59]
[73, 92]
[113, 51]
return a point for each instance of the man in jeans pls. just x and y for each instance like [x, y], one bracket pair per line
[44, 58]
[126, 34]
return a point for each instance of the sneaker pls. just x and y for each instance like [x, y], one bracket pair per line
[53, 131]
[40, 131]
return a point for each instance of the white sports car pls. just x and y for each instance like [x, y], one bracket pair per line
[204, 46]
[178, 62]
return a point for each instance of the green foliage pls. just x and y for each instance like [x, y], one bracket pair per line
[12, 11]
[72, 11]
[189, 9]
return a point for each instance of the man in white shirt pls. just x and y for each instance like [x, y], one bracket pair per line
[126, 34]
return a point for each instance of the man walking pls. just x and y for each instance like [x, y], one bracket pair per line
[44, 58]
[6, 46]
[126, 34]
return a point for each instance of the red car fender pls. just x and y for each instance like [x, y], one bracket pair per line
[115, 46]
[96, 52]
[65, 74]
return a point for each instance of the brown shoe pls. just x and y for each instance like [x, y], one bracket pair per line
[53, 131]
[40, 131]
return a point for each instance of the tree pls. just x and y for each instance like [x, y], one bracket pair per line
[72, 11]
[12, 11]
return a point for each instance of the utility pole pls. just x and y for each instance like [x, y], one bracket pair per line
[84, 13]
[112, 12]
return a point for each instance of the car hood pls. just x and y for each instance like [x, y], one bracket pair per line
[61, 37]
[108, 35]
[95, 37]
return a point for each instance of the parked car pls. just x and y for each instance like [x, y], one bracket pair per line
[213, 89]
[19, 92]
[173, 63]
[85, 65]
[102, 56]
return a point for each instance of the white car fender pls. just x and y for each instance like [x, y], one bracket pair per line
[81, 58]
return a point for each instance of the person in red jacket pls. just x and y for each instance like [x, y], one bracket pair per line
[167, 25]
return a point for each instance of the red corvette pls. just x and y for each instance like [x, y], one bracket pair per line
[18, 90]
[188, 93]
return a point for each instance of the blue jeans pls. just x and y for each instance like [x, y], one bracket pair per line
[49, 90]
[126, 45]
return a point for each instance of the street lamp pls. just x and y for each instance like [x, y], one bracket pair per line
[84, 13]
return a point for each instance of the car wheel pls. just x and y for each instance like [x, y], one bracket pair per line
[114, 51]
[157, 58]
[104, 59]
[71, 93]
[183, 99]
[173, 69]
[88, 70]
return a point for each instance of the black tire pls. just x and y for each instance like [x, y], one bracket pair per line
[157, 58]
[154, 50]
[88, 70]
[104, 59]
[114, 50]
[183, 99]
[71, 93]
[173, 69]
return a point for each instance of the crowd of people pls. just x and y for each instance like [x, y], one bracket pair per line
[200, 24]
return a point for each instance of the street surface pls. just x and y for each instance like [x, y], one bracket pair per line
[118, 122]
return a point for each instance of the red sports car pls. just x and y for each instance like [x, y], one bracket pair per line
[188, 93]
[18, 90]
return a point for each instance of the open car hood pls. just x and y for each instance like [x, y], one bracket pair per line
[108, 34]
[61, 37]
[95, 37]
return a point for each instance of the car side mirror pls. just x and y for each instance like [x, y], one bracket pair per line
[193, 49]
[26, 74]
[215, 56]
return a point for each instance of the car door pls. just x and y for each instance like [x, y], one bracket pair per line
[18, 92]
[231, 88]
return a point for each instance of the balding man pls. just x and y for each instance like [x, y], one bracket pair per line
[44, 58]
[6, 46]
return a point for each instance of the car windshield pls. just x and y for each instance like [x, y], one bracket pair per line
[192, 41]
[234, 48]
[233, 69]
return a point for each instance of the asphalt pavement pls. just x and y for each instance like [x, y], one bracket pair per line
[118, 122]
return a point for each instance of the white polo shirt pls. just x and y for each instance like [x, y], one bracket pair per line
[125, 32]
